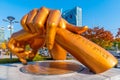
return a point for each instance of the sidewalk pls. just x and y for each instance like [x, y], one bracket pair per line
[12, 72]
[7, 56]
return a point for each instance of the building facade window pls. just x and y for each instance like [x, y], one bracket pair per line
[73, 16]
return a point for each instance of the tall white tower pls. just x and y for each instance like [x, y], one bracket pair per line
[2, 34]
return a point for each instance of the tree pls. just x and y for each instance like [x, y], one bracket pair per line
[117, 39]
[3, 45]
[118, 33]
[100, 36]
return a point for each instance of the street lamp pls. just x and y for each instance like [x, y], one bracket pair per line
[10, 20]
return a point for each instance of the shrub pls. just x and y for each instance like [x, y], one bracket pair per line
[8, 60]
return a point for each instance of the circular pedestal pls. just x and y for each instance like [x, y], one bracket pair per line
[51, 68]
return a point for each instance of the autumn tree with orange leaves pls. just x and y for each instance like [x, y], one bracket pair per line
[100, 36]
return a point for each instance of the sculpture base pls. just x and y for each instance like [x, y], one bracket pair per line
[51, 68]
[12, 72]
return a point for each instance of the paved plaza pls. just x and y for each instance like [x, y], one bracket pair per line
[7, 56]
[13, 72]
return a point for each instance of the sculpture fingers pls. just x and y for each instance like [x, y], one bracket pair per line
[51, 27]
[76, 29]
[23, 23]
[22, 35]
[35, 45]
[27, 21]
[34, 21]
[40, 19]
[17, 44]
[30, 18]
[32, 54]
[12, 45]
[22, 56]
[17, 49]
[72, 28]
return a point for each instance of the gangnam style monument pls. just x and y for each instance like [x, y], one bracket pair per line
[46, 27]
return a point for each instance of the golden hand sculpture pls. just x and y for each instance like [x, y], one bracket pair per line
[34, 27]
[46, 27]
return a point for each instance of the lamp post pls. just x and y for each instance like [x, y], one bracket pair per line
[10, 20]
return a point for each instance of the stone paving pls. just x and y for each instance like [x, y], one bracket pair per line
[7, 56]
[12, 72]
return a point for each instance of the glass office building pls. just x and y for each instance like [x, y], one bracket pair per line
[73, 16]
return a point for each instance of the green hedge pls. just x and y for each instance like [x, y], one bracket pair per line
[8, 60]
[16, 60]
[39, 58]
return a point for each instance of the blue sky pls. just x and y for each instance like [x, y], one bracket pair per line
[103, 13]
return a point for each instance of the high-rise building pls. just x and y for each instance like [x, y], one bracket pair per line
[2, 34]
[73, 16]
